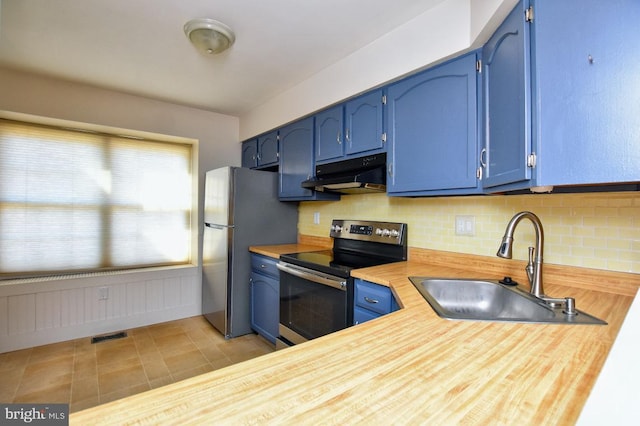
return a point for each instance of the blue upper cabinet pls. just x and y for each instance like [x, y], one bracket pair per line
[507, 105]
[297, 162]
[268, 150]
[586, 80]
[329, 134]
[352, 129]
[261, 152]
[561, 98]
[250, 153]
[432, 130]
[296, 145]
[363, 124]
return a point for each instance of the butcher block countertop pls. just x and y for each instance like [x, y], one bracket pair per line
[410, 366]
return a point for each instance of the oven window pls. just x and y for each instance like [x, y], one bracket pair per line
[311, 309]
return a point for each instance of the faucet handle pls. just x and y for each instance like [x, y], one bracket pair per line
[530, 266]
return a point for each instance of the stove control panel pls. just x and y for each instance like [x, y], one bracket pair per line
[361, 229]
[381, 232]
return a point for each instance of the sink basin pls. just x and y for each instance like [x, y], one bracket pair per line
[488, 300]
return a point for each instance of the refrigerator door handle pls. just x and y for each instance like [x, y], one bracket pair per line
[215, 226]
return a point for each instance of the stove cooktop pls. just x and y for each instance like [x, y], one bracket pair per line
[333, 263]
[356, 244]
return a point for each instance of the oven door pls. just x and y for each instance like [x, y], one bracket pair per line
[312, 304]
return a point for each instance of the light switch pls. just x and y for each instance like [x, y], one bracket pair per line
[466, 225]
[316, 218]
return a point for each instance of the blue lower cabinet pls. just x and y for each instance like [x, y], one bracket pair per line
[265, 296]
[363, 315]
[372, 301]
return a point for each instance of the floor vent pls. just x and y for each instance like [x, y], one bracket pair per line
[98, 339]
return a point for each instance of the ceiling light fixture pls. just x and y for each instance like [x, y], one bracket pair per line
[209, 36]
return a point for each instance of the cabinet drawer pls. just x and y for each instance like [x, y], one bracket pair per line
[264, 265]
[363, 315]
[373, 297]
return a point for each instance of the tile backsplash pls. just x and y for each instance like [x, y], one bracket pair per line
[593, 230]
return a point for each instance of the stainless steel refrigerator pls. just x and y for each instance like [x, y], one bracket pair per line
[241, 209]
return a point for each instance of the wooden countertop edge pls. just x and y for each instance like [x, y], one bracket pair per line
[467, 376]
[477, 266]
[277, 250]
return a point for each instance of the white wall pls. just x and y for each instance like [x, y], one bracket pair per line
[31, 94]
[486, 16]
[442, 32]
[42, 311]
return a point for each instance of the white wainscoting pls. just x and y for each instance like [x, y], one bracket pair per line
[48, 310]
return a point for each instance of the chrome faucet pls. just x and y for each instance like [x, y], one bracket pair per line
[534, 267]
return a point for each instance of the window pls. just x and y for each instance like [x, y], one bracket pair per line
[73, 200]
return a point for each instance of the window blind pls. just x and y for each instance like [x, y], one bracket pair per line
[72, 200]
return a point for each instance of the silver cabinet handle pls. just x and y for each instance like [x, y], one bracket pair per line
[483, 154]
[338, 138]
[370, 300]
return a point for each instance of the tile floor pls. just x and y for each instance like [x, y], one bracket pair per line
[83, 374]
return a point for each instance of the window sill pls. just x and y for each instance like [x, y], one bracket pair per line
[91, 279]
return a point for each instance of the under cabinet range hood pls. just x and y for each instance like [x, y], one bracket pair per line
[353, 176]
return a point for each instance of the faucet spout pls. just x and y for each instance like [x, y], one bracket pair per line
[534, 272]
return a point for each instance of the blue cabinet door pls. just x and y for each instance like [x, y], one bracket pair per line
[265, 300]
[363, 315]
[297, 163]
[268, 149]
[586, 62]
[250, 153]
[507, 101]
[296, 158]
[329, 137]
[363, 132]
[432, 130]
[371, 301]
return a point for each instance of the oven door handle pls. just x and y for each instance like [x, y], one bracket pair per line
[316, 277]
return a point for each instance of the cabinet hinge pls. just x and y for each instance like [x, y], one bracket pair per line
[383, 137]
[531, 160]
[528, 14]
[479, 173]
[479, 65]
[384, 99]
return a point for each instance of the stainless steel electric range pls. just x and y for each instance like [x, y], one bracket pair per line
[316, 288]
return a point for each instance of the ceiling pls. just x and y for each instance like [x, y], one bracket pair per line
[139, 47]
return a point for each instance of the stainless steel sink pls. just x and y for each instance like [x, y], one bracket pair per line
[488, 300]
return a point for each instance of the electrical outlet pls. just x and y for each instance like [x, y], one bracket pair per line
[103, 293]
[466, 225]
[316, 218]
